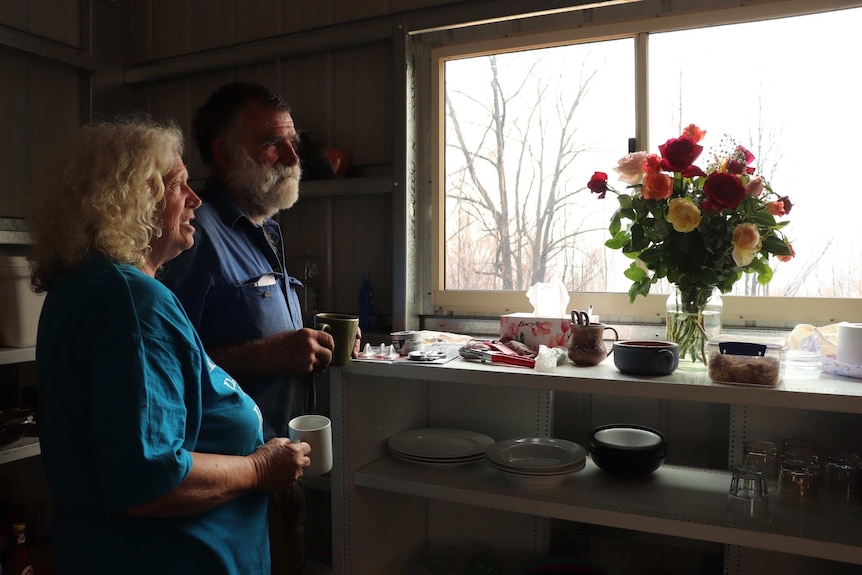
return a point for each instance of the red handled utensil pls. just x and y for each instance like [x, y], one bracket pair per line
[490, 356]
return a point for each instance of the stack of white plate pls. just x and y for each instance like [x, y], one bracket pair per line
[536, 462]
[439, 446]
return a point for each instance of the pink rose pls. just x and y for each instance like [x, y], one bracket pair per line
[754, 187]
[630, 168]
[739, 160]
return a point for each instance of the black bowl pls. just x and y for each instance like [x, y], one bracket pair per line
[627, 450]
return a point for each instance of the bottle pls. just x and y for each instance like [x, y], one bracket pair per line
[366, 305]
[19, 562]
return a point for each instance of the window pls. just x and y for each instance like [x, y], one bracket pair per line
[524, 128]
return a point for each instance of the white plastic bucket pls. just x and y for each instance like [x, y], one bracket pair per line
[19, 305]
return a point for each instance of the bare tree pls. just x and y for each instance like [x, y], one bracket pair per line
[512, 187]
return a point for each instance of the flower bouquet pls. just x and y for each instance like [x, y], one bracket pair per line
[700, 229]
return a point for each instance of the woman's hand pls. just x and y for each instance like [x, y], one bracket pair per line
[280, 462]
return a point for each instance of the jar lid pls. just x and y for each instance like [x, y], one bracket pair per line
[775, 343]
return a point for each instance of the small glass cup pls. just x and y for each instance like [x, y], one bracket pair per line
[844, 479]
[802, 452]
[749, 495]
[799, 483]
[762, 453]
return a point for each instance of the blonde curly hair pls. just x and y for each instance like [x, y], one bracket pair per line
[101, 196]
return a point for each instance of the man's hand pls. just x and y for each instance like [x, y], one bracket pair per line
[357, 343]
[291, 352]
[302, 351]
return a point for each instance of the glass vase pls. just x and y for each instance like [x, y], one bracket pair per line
[693, 318]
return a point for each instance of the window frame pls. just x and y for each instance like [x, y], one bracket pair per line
[766, 312]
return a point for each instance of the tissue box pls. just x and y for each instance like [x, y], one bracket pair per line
[535, 331]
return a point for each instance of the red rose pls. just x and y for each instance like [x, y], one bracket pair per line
[723, 191]
[679, 153]
[598, 184]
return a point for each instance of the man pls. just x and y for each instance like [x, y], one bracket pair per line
[234, 284]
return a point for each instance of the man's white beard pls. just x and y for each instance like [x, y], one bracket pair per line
[260, 190]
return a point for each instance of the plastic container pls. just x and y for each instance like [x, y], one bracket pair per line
[19, 305]
[800, 364]
[748, 360]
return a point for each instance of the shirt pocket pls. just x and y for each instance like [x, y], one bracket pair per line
[261, 307]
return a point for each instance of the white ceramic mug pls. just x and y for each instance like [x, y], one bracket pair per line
[315, 430]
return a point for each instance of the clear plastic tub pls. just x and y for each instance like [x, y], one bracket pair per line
[747, 360]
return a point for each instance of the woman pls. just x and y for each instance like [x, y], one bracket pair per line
[154, 456]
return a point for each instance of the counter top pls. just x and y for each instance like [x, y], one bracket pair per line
[826, 393]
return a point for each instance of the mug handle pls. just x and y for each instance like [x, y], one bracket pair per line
[616, 338]
[663, 359]
[325, 327]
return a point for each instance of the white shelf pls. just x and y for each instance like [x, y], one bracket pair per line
[676, 501]
[9, 355]
[375, 399]
[828, 393]
[21, 449]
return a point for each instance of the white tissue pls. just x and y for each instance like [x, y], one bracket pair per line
[546, 360]
[549, 299]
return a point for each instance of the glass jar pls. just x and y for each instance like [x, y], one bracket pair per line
[763, 454]
[693, 318]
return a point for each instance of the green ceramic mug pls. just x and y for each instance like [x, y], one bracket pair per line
[342, 328]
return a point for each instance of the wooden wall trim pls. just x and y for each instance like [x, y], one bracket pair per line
[42, 47]
[459, 14]
[306, 42]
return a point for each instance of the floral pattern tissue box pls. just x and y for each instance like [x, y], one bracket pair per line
[535, 331]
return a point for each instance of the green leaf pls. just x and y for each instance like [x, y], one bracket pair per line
[616, 223]
[638, 240]
[763, 218]
[765, 276]
[635, 273]
[775, 245]
[619, 240]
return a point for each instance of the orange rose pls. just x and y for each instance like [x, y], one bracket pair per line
[657, 187]
[693, 132]
[746, 237]
[652, 164]
[787, 258]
